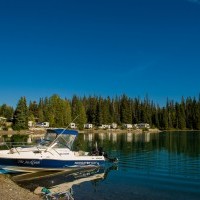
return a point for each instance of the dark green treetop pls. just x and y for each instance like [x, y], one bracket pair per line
[20, 119]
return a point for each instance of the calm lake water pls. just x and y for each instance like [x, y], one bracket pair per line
[151, 166]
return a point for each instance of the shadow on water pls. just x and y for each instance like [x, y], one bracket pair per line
[56, 185]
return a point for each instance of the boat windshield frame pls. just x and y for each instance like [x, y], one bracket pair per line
[58, 139]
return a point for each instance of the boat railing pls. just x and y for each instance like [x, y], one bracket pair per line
[13, 146]
[17, 147]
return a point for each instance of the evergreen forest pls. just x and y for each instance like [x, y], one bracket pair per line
[60, 112]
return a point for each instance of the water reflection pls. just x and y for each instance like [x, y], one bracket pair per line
[114, 137]
[54, 185]
[88, 137]
[177, 142]
[151, 166]
[129, 137]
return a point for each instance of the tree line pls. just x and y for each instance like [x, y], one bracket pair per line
[98, 110]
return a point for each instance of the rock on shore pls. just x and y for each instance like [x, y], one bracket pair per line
[11, 191]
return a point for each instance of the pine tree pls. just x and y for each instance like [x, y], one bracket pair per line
[78, 112]
[147, 110]
[180, 116]
[155, 120]
[116, 110]
[58, 111]
[164, 123]
[99, 115]
[91, 109]
[125, 110]
[67, 112]
[40, 116]
[82, 119]
[33, 108]
[198, 117]
[20, 120]
[196, 121]
[106, 115]
[136, 111]
[6, 111]
[189, 113]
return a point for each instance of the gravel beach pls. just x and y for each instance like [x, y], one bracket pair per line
[11, 191]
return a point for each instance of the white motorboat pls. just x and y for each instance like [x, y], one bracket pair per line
[54, 153]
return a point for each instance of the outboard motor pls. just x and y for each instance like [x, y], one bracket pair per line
[98, 151]
[114, 160]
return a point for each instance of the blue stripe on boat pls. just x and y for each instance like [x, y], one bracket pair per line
[47, 163]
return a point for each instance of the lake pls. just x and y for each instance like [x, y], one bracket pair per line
[151, 166]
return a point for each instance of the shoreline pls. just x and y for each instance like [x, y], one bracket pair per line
[120, 131]
[180, 130]
[41, 132]
[9, 190]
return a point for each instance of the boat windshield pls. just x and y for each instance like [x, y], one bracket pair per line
[60, 141]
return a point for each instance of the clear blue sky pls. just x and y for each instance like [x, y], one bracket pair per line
[99, 47]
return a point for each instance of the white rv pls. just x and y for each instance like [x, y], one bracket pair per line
[88, 126]
[72, 125]
[143, 125]
[42, 124]
[128, 126]
[114, 125]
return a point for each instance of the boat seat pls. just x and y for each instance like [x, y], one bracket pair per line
[79, 153]
[13, 150]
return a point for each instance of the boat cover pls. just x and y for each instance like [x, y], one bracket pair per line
[63, 131]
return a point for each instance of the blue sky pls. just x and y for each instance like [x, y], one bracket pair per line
[99, 47]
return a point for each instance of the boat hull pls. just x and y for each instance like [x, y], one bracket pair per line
[33, 165]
